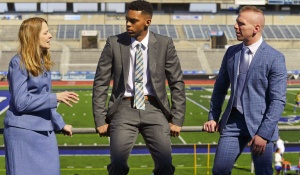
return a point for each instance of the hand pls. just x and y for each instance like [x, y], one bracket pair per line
[67, 97]
[211, 126]
[258, 145]
[103, 130]
[67, 130]
[174, 130]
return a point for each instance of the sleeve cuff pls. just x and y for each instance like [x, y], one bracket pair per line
[53, 100]
[177, 122]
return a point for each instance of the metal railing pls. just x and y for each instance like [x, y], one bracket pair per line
[184, 129]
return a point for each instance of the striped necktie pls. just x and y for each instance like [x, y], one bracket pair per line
[139, 101]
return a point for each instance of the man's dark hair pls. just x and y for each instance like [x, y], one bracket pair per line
[141, 5]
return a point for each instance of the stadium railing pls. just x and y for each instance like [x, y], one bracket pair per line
[184, 129]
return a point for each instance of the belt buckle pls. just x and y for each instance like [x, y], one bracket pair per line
[128, 98]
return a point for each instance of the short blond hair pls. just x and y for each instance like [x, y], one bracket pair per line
[251, 8]
[260, 18]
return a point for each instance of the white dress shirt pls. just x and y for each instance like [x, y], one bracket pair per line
[148, 89]
[253, 48]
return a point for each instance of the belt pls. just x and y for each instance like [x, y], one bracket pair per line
[146, 97]
[234, 109]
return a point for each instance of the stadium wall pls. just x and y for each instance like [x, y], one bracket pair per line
[161, 18]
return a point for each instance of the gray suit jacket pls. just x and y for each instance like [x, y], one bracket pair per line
[163, 64]
[264, 94]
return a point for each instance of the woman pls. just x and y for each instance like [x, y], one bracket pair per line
[30, 142]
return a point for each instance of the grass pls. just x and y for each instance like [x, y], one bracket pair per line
[80, 116]
[143, 164]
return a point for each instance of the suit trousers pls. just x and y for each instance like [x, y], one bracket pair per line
[234, 138]
[125, 125]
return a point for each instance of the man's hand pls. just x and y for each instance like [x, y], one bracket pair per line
[103, 130]
[67, 130]
[258, 145]
[174, 130]
[211, 126]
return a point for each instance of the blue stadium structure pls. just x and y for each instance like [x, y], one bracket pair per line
[201, 33]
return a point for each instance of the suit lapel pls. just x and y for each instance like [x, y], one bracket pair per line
[255, 59]
[125, 44]
[152, 53]
[236, 63]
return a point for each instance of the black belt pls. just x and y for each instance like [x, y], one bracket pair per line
[146, 97]
[234, 109]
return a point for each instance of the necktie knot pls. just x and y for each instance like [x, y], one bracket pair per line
[138, 46]
[246, 49]
[244, 60]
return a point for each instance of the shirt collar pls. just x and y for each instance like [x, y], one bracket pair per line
[253, 47]
[144, 42]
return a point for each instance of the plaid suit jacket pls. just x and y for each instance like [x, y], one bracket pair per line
[264, 94]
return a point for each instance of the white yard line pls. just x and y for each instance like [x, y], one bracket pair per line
[1, 112]
[182, 140]
[291, 104]
[207, 110]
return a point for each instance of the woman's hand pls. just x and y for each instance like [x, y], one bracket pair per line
[67, 98]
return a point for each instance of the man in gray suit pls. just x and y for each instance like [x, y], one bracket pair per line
[155, 118]
[257, 77]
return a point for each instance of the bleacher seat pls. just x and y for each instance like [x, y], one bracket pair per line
[74, 31]
[167, 30]
[272, 32]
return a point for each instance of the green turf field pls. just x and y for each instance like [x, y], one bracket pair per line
[80, 116]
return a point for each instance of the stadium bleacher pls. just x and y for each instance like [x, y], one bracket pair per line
[167, 30]
[74, 31]
[277, 32]
[192, 34]
[197, 36]
[9, 33]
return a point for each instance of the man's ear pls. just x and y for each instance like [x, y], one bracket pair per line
[148, 22]
[256, 29]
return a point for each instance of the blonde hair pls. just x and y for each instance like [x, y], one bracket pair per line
[259, 17]
[251, 8]
[32, 56]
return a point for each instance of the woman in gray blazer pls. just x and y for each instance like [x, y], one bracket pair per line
[30, 142]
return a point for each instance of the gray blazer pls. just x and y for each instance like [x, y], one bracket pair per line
[163, 65]
[264, 95]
